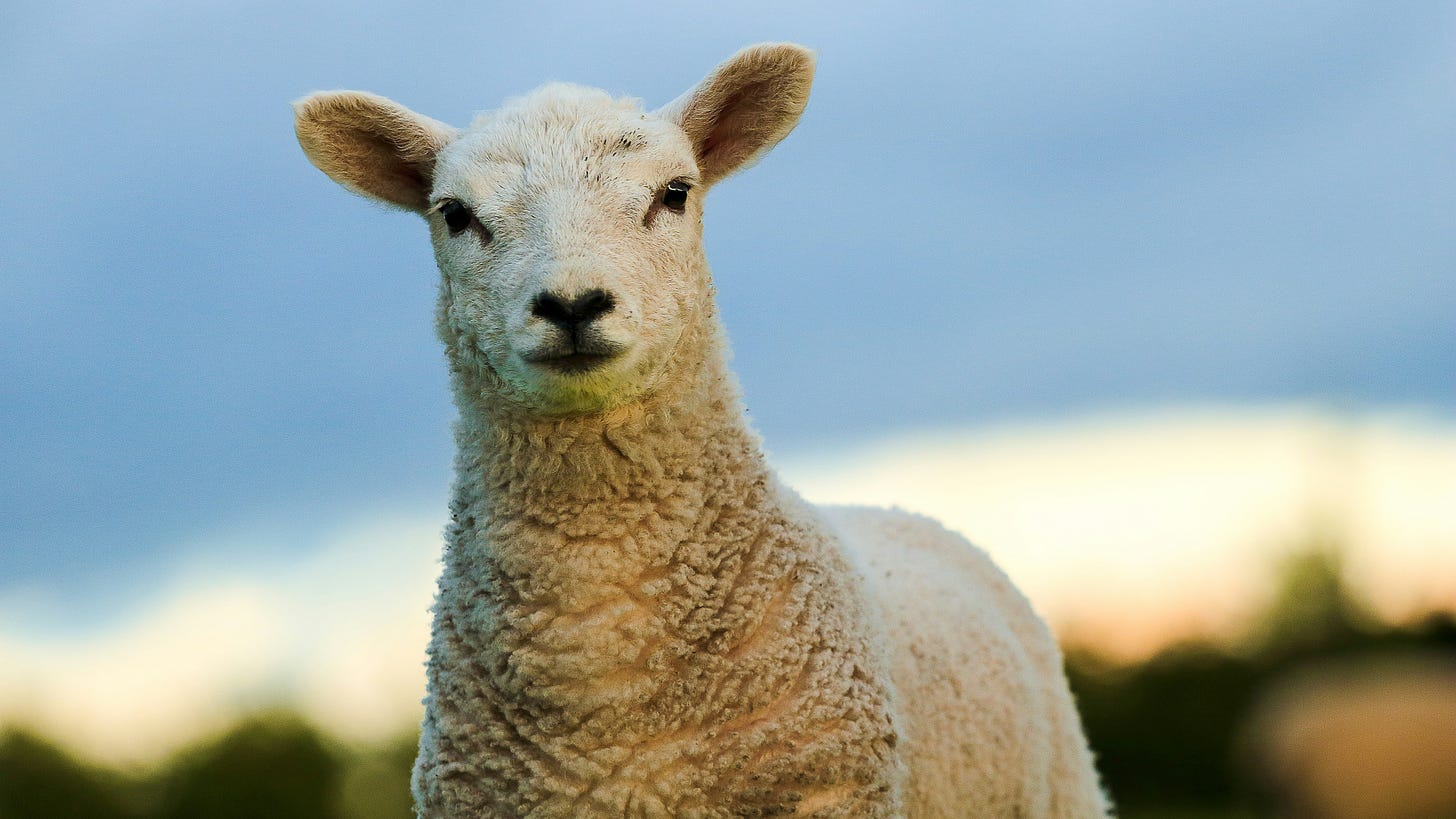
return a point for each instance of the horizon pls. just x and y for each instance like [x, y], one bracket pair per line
[339, 633]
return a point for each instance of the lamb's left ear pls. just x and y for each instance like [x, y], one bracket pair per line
[744, 107]
[372, 145]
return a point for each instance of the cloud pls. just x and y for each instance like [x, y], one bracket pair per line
[985, 213]
[339, 633]
[1126, 531]
[1130, 530]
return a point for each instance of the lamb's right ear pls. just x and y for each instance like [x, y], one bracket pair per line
[372, 145]
[749, 103]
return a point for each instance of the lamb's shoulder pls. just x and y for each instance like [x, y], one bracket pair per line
[974, 667]
[917, 568]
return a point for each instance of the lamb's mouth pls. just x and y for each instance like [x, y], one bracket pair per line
[573, 361]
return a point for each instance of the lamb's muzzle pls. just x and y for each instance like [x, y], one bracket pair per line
[576, 347]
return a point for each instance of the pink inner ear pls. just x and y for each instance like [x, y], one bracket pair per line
[411, 171]
[387, 168]
[725, 116]
[736, 129]
[371, 145]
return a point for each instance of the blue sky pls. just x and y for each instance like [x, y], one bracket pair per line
[988, 214]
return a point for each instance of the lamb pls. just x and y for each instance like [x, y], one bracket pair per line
[634, 617]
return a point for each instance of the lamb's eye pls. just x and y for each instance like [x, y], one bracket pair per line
[675, 195]
[457, 216]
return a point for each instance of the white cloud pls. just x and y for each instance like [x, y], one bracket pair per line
[1126, 530]
[340, 634]
[184, 667]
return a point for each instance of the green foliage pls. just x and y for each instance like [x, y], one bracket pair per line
[272, 765]
[1167, 731]
[1314, 612]
[1164, 731]
[40, 781]
[376, 781]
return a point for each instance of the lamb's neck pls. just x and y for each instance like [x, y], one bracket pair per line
[571, 513]
[632, 590]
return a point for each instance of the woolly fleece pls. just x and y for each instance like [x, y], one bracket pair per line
[635, 618]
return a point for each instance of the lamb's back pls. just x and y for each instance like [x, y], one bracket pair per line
[978, 675]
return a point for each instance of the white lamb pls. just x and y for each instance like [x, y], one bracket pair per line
[635, 618]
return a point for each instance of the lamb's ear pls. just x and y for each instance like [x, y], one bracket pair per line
[744, 107]
[371, 145]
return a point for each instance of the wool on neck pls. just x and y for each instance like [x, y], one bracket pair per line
[631, 597]
[566, 517]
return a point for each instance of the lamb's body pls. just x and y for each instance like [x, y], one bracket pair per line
[635, 618]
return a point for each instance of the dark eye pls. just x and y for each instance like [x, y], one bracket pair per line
[675, 195]
[457, 216]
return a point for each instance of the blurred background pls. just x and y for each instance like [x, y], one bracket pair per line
[1153, 301]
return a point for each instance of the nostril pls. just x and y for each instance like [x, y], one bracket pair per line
[550, 307]
[581, 310]
[591, 304]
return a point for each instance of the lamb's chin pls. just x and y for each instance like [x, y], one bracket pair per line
[557, 392]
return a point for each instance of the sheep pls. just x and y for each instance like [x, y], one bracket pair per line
[634, 616]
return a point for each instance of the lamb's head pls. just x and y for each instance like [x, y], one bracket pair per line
[567, 224]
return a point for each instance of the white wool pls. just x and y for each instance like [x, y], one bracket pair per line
[635, 617]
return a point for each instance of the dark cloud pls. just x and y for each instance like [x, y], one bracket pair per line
[986, 213]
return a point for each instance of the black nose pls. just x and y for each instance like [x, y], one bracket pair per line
[571, 315]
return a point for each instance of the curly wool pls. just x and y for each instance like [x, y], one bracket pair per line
[635, 618]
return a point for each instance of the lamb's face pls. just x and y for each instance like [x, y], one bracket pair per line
[567, 228]
[567, 225]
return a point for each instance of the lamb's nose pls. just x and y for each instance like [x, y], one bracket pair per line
[571, 315]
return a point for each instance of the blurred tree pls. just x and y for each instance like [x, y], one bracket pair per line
[1437, 630]
[40, 781]
[1313, 610]
[376, 781]
[1164, 731]
[273, 766]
